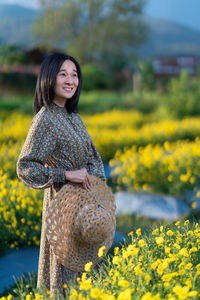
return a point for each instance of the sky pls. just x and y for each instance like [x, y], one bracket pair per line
[185, 12]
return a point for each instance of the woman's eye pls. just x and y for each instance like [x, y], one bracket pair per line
[62, 74]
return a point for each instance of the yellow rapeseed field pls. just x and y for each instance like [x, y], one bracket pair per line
[162, 266]
[172, 168]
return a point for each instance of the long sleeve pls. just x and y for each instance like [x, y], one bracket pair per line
[95, 165]
[38, 148]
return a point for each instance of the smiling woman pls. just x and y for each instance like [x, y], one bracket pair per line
[66, 83]
[57, 150]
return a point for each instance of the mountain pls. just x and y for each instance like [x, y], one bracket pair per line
[164, 38]
[15, 25]
[169, 38]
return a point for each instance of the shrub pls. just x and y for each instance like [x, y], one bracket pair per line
[183, 96]
[20, 214]
[95, 78]
[172, 168]
[109, 140]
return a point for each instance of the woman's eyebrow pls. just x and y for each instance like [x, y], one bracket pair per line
[64, 70]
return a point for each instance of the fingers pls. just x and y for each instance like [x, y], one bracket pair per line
[80, 176]
[87, 181]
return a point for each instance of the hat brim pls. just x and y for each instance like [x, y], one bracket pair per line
[61, 218]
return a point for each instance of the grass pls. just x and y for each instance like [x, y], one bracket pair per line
[19, 103]
[91, 102]
[23, 286]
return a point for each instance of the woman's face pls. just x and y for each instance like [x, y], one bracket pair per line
[66, 82]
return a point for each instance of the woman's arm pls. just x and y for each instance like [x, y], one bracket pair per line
[95, 165]
[39, 145]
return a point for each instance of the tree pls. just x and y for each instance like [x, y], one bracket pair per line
[103, 31]
[12, 54]
[148, 80]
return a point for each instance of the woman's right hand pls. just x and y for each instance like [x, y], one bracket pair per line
[79, 176]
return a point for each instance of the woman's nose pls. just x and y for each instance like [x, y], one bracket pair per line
[68, 79]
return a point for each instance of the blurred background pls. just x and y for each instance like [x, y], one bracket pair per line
[140, 102]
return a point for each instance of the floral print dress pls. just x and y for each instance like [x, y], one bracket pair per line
[56, 142]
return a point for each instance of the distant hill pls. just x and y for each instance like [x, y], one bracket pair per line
[15, 25]
[165, 38]
[169, 38]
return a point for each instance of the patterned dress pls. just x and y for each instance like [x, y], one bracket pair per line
[57, 141]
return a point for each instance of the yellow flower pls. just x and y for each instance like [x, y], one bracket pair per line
[186, 222]
[147, 278]
[159, 240]
[130, 233]
[137, 269]
[95, 293]
[155, 231]
[125, 295]
[181, 272]
[141, 243]
[167, 250]
[167, 277]
[188, 266]
[132, 250]
[192, 180]
[107, 297]
[194, 205]
[166, 285]
[116, 250]
[198, 269]
[170, 297]
[73, 294]
[86, 284]
[84, 276]
[170, 178]
[170, 232]
[123, 283]
[147, 296]
[177, 223]
[193, 294]
[38, 297]
[64, 286]
[181, 292]
[183, 252]
[116, 260]
[28, 297]
[177, 246]
[155, 264]
[101, 251]
[190, 232]
[81, 297]
[88, 266]
[138, 232]
[9, 297]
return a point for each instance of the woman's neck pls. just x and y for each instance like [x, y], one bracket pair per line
[60, 103]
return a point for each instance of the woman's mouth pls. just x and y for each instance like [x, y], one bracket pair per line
[68, 89]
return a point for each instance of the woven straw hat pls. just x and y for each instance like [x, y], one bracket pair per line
[79, 222]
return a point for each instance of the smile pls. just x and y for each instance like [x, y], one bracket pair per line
[68, 89]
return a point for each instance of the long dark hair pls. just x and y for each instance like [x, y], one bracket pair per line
[44, 92]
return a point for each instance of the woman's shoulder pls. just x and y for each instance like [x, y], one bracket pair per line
[42, 118]
[77, 116]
